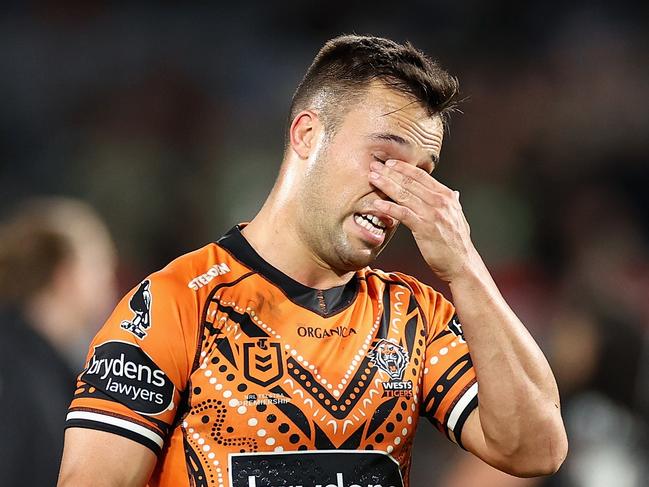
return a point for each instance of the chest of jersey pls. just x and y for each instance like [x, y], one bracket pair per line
[273, 376]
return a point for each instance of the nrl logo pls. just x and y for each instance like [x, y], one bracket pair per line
[140, 304]
[262, 361]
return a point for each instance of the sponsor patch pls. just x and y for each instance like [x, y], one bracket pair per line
[124, 372]
[456, 327]
[341, 468]
[318, 332]
[392, 359]
[140, 304]
[204, 279]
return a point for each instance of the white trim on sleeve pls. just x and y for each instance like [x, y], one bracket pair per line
[117, 422]
[461, 405]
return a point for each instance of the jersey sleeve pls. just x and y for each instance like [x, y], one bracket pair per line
[139, 363]
[450, 388]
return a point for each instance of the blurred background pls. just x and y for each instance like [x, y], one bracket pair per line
[168, 120]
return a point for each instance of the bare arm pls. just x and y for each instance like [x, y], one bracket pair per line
[100, 459]
[517, 426]
[469, 471]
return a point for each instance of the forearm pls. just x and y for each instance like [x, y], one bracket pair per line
[518, 396]
[518, 427]
[90, 458]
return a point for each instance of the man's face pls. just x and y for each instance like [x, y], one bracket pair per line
[338, 220]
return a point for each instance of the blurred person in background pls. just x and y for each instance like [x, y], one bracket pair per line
[57, 284]
[599, 338]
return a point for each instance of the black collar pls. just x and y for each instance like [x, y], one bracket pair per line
[325, 302]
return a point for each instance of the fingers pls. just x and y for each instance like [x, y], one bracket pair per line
[400, 187]
[400, 213]
[399, 191]
[412, 187]
[412, 177]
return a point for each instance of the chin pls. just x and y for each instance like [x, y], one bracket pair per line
[357, 258]
[351, 255]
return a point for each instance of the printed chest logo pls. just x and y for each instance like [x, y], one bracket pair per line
[392, 359]
[140, 304]
[326, 468]
[262, 361]
[124, 372]
[318, 332]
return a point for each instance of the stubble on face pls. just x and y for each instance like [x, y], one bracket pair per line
[336, 186]
[322, 215]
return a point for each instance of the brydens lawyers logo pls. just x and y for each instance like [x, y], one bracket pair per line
[392, 359]
[325, 468]
[140, 304]
[124, 372]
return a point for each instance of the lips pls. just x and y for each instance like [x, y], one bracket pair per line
[371, 223]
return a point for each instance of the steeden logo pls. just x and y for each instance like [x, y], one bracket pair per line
[204, 279]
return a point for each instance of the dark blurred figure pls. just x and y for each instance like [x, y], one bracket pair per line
[56, 286]
[599, 342]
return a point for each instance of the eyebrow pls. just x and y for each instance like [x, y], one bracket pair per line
[388, 137]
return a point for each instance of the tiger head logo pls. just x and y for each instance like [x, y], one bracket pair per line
[390, 358]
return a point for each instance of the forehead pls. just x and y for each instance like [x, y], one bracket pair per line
[384, 110]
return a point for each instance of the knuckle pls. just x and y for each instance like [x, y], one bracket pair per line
[441, 202]
[407, 180]
[403, 194]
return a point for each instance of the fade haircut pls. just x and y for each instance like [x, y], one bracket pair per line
[345, 66]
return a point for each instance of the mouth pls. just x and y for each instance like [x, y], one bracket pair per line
[372, 227]
[370, 222]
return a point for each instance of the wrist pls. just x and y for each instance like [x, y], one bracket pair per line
[472, 272]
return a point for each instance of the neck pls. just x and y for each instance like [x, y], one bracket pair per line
[274, 236]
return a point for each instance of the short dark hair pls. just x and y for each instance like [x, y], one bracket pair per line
[346, 65]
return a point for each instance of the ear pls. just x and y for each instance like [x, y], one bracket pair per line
[304, 133]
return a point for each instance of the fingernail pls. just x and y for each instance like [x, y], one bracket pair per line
[374, 175]
[390, 163]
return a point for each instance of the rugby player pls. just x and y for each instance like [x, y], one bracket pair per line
[277, 357]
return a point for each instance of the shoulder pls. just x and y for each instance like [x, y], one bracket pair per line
[199, 270]
[398, 278]
[426, 295]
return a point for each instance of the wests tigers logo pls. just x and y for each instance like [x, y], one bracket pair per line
[390, 358]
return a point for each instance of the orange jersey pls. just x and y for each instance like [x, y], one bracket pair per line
[236, 375]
